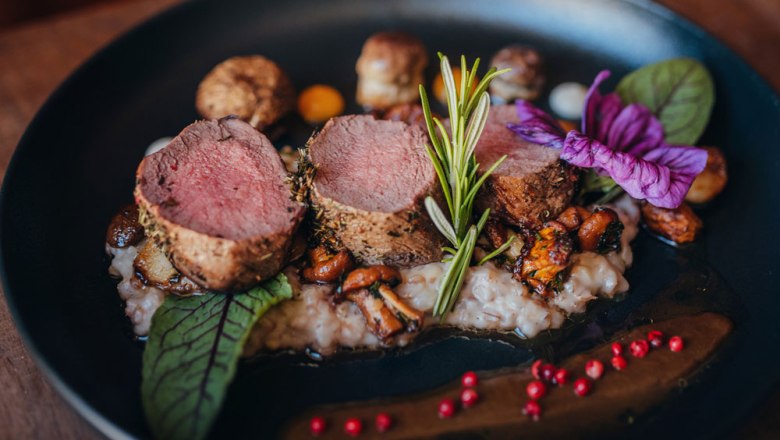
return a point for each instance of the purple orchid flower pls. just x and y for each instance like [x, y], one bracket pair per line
[624, 142]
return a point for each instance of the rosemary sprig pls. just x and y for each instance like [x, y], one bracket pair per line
[453, 158]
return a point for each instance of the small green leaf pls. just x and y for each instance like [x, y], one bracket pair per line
[680, 92]
[191, 355]
[593, 182]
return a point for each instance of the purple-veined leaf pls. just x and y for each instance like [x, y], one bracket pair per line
[192, 353]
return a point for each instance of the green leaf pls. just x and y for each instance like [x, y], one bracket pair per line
[191, 355]
[680, 92]
[593, 182]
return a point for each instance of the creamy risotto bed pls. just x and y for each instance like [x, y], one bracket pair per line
[490, 300]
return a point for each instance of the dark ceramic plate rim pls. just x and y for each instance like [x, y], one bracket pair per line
[93, 415]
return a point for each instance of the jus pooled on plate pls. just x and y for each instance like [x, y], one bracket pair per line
[394, 221]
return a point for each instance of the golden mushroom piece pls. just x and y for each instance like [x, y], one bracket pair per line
[253, 88]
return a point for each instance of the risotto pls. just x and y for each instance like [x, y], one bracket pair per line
[491, 299]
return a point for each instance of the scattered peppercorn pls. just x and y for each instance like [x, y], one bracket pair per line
[383, 422]
[547, 372]
[446, 408]
[532, 409]
[469, 397]
[536, 389]
[594, 369]
[619, 362]
[469, 379]
[582, 387]
[353, 427]
[676, 344]
[655, 338]
[317, 425]
[535, 368]
[639, 348]
[617, 349]
[562, 376]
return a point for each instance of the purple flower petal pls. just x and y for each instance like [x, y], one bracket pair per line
[537, 126]
[635, 131]
[605, 115]
[662, 177]
[593, 100]
[624, 142]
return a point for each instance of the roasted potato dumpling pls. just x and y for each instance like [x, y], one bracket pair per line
[389, 69]
[712, 180]
[681, 225]
[526, 78]
[253, 88]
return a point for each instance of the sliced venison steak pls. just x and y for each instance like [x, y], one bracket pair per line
[532, 185]
[217, 200]
[369, 188]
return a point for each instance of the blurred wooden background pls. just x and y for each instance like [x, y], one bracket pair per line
[42, 41]
[14, 12]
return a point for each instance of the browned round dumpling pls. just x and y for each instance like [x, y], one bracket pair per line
[526, 78]
[253, 88]
[389, 69]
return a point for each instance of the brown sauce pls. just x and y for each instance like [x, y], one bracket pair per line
[614, 401]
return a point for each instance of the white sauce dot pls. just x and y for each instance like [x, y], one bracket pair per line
[567, 100]
[158, 145]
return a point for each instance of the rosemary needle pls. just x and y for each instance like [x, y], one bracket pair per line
[452, 155]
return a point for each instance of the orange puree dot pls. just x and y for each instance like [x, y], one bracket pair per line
[320, 102]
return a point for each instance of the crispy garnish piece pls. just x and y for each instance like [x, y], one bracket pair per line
[712, 180]
[364, 277]
[380, 319]
[680, 225]
[154, 269]
[600, 232]
[548, 258]
[572, 217]
[326, 267]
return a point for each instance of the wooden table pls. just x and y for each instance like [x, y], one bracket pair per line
[35, 58]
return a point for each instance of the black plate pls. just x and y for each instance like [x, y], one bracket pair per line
[75, 166]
